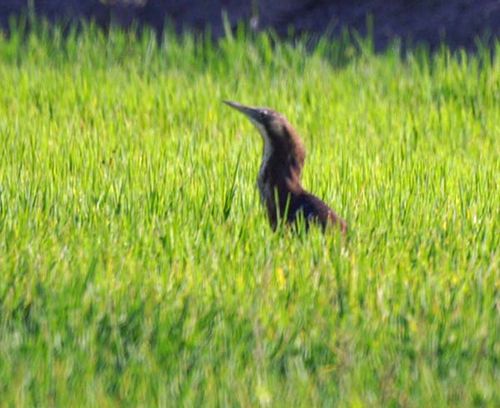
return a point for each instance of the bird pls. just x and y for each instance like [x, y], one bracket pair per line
[279, 178]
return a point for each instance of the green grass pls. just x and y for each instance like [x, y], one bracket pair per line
[136, 263]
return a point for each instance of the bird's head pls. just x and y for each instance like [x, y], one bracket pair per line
[278, 135]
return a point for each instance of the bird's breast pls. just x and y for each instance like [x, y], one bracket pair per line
[263, 179]
[263, 184]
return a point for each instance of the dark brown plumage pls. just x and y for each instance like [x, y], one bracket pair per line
[279, 176]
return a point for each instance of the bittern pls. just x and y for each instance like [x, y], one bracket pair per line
[278, 181]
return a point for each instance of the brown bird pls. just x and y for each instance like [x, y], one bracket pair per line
[279, 175]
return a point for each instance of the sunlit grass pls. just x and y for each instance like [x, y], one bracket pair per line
[136, 263]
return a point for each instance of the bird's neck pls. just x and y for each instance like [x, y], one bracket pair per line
[279, 171]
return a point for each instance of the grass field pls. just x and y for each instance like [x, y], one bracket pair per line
[136, 263]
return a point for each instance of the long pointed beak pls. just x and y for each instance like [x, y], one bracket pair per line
[251, 113]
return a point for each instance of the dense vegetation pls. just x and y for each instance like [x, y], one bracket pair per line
[137, 265]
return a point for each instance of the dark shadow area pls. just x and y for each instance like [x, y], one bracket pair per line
[457, 23]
